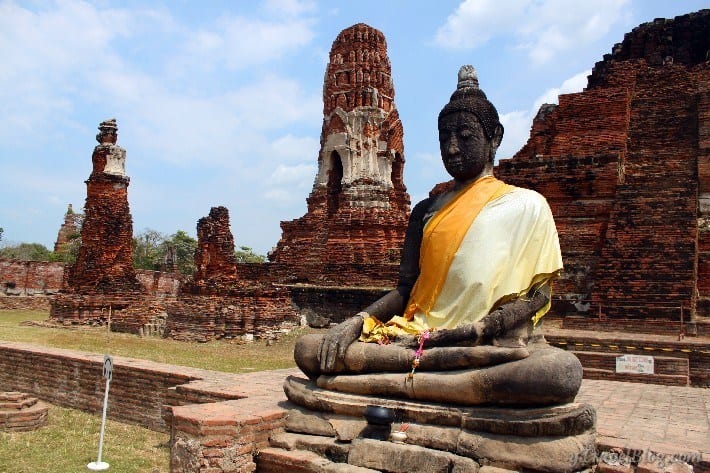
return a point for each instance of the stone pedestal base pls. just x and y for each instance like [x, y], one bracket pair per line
[437, 437]
[20, 412]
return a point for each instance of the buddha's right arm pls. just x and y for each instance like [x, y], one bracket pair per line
[394, 302]
[387, 306]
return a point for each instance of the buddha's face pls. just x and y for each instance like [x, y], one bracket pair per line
[465, 150]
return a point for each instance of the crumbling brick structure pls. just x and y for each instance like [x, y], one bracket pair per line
[69, 230]
[216, 303]
[358, 208]
[624, 166]
[214, 257]
[103, 278]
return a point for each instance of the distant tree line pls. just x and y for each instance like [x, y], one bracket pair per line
[151, 250]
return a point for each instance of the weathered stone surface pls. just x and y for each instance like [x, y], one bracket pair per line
[327, 447]
[550, 454]
[399, 458]
[549, 376]
[623, 165]
[346, 428]
[308, 422]
[277, 460]
[358, 208]
[566, 419]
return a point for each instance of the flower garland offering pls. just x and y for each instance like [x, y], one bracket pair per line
[423, 337]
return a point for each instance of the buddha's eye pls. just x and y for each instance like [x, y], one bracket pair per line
[466, 133]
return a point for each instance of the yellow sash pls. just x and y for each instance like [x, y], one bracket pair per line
[447, 228]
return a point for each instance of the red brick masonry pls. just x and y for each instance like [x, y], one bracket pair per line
[220, 420]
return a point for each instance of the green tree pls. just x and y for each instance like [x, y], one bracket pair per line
[246, 255]
[68, 251]
[26, 252]
[184, 246]
[149, 249]
[1, 232]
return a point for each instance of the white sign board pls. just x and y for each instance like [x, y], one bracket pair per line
[108, 367]
[634, 364]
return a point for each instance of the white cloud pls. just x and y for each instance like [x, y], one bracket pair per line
[238, 42]
[289, 7]
[517, 129]
[298, 174]
[541, 28]
[575, 83]
[63, 48]
[295, 148]
[475, 21]
[69, 63]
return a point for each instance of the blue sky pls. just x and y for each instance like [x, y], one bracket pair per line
[220, 102]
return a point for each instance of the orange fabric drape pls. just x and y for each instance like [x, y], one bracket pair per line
[442, 237]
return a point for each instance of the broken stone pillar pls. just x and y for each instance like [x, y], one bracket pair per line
[214, 257]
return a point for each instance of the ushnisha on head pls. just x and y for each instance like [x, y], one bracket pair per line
[468, 97]
[469, 130]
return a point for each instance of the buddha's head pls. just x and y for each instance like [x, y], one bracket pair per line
[469, 129]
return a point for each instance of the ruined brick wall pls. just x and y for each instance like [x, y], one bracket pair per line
[261, 311]
[321, 306]
[622, 166]
[358, 208]
[158, 283]
[26, 278]
[141, 391]
[217, 303]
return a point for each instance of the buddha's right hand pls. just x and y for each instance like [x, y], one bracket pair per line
[336, 342]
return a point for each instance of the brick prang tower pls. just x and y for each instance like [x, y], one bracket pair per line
[359, 206]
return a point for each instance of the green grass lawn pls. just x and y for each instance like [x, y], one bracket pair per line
[220, 355]
[71, 438]
[70, 441]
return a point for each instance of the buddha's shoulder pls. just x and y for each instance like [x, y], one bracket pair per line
[527, 196]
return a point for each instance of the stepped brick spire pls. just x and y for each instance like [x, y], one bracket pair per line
[358, 208]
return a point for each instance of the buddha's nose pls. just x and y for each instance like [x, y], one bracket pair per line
[453, 147]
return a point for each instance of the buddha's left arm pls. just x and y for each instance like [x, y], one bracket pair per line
[494, 325]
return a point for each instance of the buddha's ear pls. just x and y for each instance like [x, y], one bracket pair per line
[497, 136]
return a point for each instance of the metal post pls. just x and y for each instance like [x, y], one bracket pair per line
[99, 465]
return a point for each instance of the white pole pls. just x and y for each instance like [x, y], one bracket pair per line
[99, 465]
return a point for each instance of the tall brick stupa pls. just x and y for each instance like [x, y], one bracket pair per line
[103, 275]
[105, 260]
[625, 166]
[358, 208]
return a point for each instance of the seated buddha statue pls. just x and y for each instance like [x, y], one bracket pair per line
[475, 278]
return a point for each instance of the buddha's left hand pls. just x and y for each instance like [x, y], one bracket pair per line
[336, 342]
